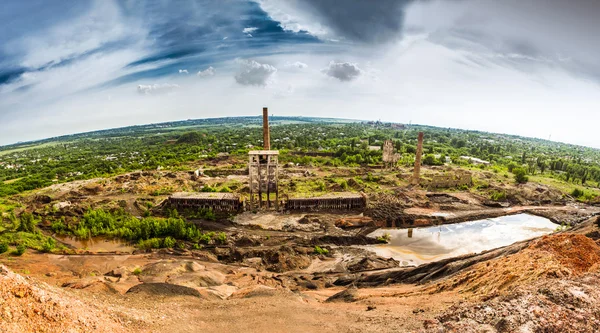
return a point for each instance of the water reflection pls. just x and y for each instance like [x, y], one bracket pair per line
[422, 245]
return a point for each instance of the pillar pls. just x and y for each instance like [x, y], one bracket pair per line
[417, 172]
[266, 133]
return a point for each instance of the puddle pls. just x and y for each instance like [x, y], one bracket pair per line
[96, 244]
[435, 243]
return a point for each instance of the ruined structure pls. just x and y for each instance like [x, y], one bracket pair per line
[345, 201]
[217, 202]
[450, 180]
[390, 159]
[263, 171]
[419, 155]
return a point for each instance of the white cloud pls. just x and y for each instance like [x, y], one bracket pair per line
[183, 71]
[343, 71]
[156, 89]
[249, 30]
[103, 24]
[297, 64]
[210, 71]
[292, 18]
[253, 73]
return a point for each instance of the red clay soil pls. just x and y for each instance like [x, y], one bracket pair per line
[550, 257]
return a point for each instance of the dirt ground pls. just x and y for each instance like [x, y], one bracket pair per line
[268, 278]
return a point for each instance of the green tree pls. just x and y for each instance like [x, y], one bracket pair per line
[520, 175]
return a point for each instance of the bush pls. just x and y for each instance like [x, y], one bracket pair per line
[58, 226]
[498, 196]
[385, 238]
[28, 223]
[152, 243]
[48, 245]
[577, 193]
[321, 251]
[520, 175]
[169, 242]
[221, 238]
[20, 250]
[3, 247]
[137, 271]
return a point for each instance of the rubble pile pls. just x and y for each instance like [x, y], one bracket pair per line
[29, 307]
[552, 257]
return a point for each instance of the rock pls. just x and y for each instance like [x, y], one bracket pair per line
[347, 296]
[118, 272]
[199, 279]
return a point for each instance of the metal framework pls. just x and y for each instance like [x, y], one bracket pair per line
[263, 168]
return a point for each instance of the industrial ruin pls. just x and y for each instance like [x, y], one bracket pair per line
[263, 185]
[390, 159]
[345, 201]
[417, 172]
[218, 202]
[263, 171]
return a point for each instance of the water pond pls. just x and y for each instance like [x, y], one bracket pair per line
[422, 245]
[96, 244]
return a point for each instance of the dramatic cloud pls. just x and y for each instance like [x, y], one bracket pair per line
[356, 20]
[475, 64]
[252, 73]
[343, 71]
[156, 89]
[210, 71]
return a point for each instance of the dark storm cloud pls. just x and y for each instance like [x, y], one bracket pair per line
[365, 21]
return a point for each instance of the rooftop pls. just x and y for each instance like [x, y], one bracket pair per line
[204, 195]
[263, 152]
[335, 195]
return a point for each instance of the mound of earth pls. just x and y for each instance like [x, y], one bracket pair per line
[546, 306]
[550, 257]
[163, 289]
[36, 307]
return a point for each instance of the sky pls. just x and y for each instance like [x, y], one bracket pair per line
[525, 67]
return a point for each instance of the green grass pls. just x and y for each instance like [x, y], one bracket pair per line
[35, 240]
[564, 187]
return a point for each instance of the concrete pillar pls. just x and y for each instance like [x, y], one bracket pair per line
[417, 172]
[266, 133]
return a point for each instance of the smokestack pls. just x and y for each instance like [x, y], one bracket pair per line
[417, 173]
[266, 133]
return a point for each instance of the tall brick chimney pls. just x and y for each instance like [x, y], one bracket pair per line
[266, 133]
[417, 172]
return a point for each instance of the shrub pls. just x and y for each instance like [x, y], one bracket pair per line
[48, 245]
[221, 238]
[3, 247]
[58, 226]
[385, 238]
[577, 193]
[321, 251]
[205, 238]
[137, 271]
[520, 175]
[498, 196]
[152, 243]
[28, 222]
[20, 250]
[169, 242]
